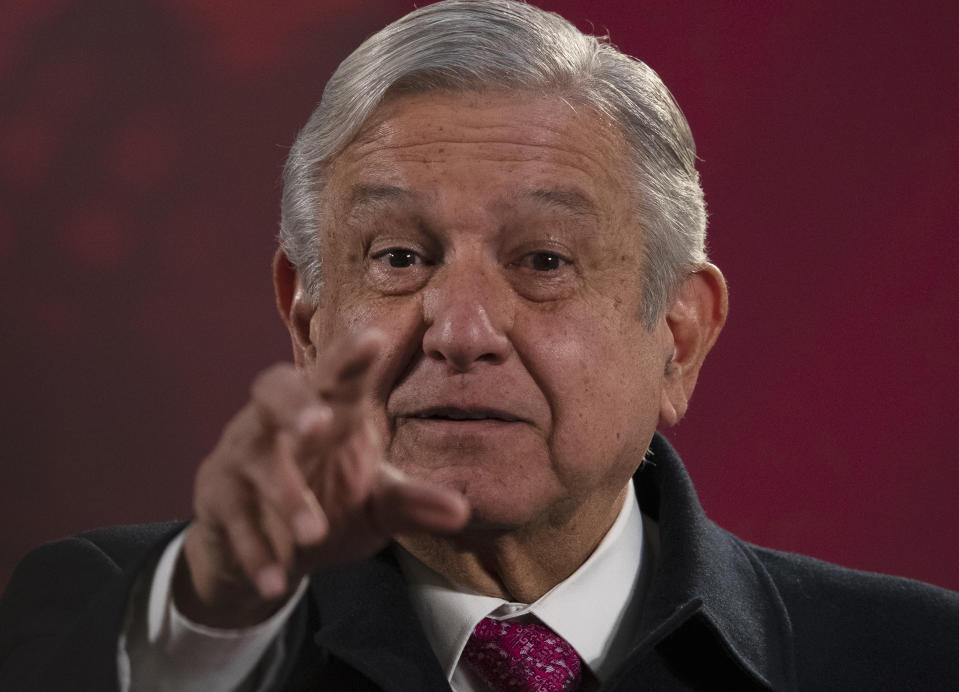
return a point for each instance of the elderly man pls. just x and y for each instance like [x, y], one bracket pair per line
[492, 270]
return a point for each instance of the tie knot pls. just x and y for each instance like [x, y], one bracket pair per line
[522, 658]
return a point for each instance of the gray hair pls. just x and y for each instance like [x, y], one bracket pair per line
[470, 45]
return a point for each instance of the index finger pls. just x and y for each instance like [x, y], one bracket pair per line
[343, 367]
[287, 398]
[284, 400]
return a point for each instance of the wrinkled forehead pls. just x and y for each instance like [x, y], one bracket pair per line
[542, 103]
[554, 149]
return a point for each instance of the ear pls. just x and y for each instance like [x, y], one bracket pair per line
[694, 321]
[295, 307]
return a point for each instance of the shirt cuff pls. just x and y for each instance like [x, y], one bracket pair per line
[170, 652]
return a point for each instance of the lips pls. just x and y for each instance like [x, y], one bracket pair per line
[456, 413]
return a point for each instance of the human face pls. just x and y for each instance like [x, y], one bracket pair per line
[493, 238]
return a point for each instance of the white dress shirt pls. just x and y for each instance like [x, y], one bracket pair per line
[595, 609]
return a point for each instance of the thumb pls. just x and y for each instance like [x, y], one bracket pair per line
[401, 503]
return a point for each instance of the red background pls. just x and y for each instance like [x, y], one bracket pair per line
[141, 146]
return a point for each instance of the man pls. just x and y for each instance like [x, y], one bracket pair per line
[492, 270]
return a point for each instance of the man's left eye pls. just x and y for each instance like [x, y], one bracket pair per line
[544, 261]
[398, 257]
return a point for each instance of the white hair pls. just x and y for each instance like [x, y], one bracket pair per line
[471, 45]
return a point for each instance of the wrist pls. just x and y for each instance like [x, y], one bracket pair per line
[211, 592]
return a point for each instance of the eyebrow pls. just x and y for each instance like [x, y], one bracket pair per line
[368, 195]
[567, 199]
[371, 195]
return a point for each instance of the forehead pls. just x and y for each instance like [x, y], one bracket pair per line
[499, 146]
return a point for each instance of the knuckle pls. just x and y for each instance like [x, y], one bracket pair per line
[270, 374]
[279, 376]
[279, 490]
[249, 548]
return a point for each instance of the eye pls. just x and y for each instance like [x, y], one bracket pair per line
[543, 261]
[398, 257]
[542, 273]
[398, 269]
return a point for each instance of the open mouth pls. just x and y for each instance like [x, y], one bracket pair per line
[453, 413]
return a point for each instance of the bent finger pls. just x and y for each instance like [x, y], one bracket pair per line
[284, 400]
[283, 488]
[252, 550]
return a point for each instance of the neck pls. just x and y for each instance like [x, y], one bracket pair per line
[519, 564]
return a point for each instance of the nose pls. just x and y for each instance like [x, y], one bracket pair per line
[468, 316]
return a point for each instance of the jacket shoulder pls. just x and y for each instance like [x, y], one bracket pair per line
[69, 597]
[121, 544]
[851, 626]
[54, 574]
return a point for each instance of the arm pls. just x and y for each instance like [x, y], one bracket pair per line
[296, 484]
[162, 650]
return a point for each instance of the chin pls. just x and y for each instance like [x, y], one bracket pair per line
[501, 506]
[506, 489]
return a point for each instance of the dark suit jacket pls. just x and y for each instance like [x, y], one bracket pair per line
[720, 614]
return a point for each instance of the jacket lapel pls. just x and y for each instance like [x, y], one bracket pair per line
[366, 620]
[712, 612]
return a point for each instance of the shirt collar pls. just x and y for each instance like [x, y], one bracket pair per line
[594, 609]
[710, 598]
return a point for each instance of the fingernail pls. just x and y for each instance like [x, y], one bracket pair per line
[271, 582]
[308, 528]
[311, 418]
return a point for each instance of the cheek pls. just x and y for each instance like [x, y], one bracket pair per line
[603, 391]
[400, 321]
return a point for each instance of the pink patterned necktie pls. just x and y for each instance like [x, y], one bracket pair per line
[522, 658]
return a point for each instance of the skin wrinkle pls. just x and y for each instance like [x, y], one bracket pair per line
[377, 129]
[571, 200]
[573, 357]
[390, 218]
[369, 198]
[579, 215]
[544, 149]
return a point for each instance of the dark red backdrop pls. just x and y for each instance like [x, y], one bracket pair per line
[141, 145]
